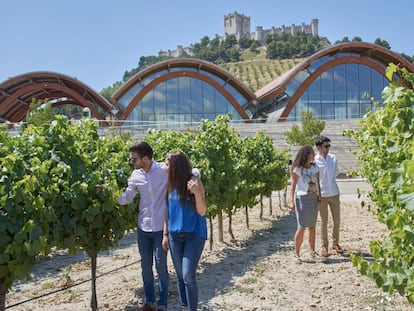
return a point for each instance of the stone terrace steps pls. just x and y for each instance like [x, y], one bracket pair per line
[342, 146]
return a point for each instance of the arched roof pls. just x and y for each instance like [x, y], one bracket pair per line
[371, 55]
[194, 67]
[16, 94]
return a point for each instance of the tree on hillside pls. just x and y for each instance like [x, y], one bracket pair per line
[286, 46]
[344, 40]
[407, 57]
[383, 43]
[229, 42]
[108, 91]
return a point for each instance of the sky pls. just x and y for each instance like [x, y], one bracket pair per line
[96, 41]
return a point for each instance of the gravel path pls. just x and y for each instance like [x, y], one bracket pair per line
[255, 272]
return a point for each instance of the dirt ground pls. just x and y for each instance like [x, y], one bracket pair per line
[254, 272]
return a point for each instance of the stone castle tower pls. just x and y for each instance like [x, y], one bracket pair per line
[237, 24]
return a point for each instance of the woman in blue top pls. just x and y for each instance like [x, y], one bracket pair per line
[187, 226]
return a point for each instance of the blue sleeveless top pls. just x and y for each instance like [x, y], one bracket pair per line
[184, 218]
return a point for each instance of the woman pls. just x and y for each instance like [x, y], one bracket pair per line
[187, 226]
[305, 198]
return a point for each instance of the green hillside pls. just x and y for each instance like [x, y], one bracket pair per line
[256, 71]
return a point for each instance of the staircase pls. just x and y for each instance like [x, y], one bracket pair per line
[342, 146]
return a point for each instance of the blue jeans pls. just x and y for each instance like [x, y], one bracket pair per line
[186, 249]
[150, 246]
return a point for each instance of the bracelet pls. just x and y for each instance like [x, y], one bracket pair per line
[166, 234]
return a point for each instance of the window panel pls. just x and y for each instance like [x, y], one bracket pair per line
[196, 117]
[353, 110]
[378, 84]
[327, 86]
[184, 95]
[221, 105]
[315, 108]
[208, 98]
[340, 110]
[160, 100]
[365, 90]
[147, 103]
[172, 95]
[352, 79]
[315, 90]
[328, 110]
[339, 83]
[196, 95]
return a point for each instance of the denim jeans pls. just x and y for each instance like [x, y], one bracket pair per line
[150, 246]
[186, 249]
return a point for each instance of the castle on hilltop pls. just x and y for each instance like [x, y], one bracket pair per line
[239, 25]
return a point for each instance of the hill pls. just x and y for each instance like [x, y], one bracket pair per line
[256, 71]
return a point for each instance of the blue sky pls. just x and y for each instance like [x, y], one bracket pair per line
[96, 41]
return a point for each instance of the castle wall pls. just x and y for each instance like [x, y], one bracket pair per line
[239, 25]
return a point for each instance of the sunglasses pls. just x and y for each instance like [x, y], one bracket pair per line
[326, 146]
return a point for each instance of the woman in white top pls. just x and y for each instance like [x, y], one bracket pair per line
[305, 197]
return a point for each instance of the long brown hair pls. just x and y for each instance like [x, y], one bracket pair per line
[302, 156]
[179, 173]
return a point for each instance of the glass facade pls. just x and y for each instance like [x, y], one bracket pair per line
[342, 92]
[180, 102]
[346, 90]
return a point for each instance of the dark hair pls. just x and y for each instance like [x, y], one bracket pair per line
[321, 139]
[143, 149]
[179, 173]
[302, 156]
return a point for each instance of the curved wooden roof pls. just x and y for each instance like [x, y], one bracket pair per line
[16, 94]
[371, 55]
[190, 63]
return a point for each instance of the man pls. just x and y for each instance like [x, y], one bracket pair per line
[328, 171]
[149, 178]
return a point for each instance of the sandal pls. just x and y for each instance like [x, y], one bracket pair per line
[298, 261]
[325, 252]
[315, 255]
[337, 248]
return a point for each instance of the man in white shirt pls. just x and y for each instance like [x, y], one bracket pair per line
[328, 171]
[149, 179]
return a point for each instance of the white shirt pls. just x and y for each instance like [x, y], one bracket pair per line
[308, 177]
[152, 187]
[328, 170]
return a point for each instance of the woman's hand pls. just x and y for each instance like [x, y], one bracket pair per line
[193, 186]
[196, 187]
[164, 243]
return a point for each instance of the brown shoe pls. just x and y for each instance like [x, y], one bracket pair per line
[337, 248]
[148, 307]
